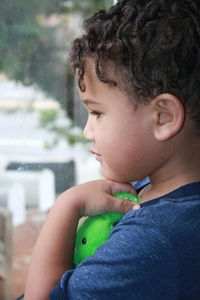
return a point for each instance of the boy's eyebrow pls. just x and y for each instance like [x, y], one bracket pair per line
[89, 101]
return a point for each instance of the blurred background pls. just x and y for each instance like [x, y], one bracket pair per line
[42, 149]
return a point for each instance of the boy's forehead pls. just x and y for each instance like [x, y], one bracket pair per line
[90, 78]
[106, 67]
[89, 71]
[95, 89]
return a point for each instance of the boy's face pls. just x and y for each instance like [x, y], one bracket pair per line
[122, 137]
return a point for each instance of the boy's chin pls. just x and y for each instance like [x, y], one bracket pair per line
[113, 176]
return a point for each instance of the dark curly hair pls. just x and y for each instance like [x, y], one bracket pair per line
[154, 46]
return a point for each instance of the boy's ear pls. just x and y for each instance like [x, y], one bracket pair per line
[169, 116]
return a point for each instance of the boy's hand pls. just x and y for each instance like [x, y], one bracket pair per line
[95, 197]
[87, 199]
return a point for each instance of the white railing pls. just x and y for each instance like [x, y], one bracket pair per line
[24, 190]
[13, 199]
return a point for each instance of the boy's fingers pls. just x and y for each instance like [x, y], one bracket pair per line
[127, 206]
[122, 187]
[123, 206]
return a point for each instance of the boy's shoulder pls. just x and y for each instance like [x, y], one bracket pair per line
[171, 225]
[179, 206]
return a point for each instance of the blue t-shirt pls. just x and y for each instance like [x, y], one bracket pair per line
[152, 254]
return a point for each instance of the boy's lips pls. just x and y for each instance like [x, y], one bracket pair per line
[98, 156]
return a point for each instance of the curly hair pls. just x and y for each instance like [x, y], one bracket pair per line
[154, 46]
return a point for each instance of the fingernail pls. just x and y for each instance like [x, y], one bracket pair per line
[136, 206]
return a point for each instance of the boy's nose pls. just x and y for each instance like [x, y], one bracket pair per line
[88, 132]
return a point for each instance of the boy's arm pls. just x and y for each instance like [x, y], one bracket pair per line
[137, 262]
[53, 253]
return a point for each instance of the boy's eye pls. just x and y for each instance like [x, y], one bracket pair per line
[95, 113]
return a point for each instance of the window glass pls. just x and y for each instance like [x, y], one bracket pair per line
[42, 149]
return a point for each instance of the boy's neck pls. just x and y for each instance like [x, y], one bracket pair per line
[152, 191]
[183, 168]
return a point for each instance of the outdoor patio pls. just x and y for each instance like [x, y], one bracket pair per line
[24, 238]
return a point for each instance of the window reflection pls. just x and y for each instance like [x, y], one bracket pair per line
[42, 149]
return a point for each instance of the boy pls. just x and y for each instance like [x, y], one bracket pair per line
[138, 74]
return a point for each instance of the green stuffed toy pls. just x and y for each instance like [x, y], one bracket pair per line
[94, 231]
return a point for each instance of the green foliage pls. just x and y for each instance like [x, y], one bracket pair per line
[11, 110]
[47, 116]
[28, 51]
[86, 7]
[51, 145]
[66, 133]
[76, 138]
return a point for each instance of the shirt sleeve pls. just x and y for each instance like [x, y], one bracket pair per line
[136, 263]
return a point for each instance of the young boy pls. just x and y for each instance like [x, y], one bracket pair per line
[138, 73]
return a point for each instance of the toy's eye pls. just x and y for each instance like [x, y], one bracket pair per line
[84, 241]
